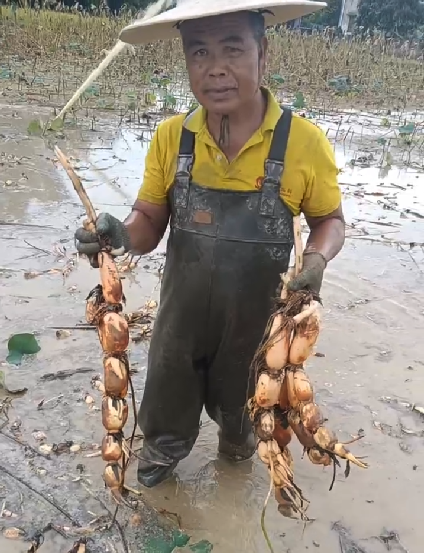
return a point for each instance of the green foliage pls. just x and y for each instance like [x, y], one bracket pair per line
[391, 16]
[299, 100]
[328, 17]
[407, 129]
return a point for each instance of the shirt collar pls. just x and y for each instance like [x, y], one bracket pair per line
[196, 120]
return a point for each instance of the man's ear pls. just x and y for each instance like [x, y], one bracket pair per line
[263, 53]
[264, 47]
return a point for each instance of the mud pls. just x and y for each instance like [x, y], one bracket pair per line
[371, 339]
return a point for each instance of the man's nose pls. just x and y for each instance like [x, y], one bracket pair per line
[217, 67]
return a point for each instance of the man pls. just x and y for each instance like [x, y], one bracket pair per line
[229, 177]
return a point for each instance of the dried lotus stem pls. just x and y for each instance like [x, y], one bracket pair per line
[298, 245]
[79, 188]
[104, 309]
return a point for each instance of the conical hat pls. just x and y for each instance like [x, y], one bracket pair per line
[165, 25]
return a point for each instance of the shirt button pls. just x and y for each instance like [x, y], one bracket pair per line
[219, 157]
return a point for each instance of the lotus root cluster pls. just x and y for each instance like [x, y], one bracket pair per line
[284, 404]
[104, 309]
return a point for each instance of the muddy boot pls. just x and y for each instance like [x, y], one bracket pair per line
[150, 475]
[154, 466]
[234, 451]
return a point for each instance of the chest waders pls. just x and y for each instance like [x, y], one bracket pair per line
[225, 253]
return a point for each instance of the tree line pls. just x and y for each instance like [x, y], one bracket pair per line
[395, 18]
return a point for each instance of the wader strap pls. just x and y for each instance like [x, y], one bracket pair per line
[274, 165]
[184, 166]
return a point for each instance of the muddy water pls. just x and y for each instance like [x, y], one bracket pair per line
[371, 338]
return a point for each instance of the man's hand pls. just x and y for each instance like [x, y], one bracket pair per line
[110, 229]
[310, 278]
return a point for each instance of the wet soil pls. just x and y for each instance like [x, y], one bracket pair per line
[372, 330]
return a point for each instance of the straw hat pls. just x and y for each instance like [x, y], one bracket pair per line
[165, 25]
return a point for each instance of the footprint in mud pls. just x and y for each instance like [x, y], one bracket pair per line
[387, 540]
[409, 424]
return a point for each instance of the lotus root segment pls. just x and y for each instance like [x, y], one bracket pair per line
[305, 336]
[104, 308]
[110, 279]
[283, 403]
[116, 370]
[280, 467]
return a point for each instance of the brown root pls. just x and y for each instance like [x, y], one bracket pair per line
[318, 457]
[284, 505]
[327, 440]
[266, 426]
[112, 448]
[113, 476]
[286, 278]
[288, 490]
[311, 417]
[267, 392]
[116, 371]
[302, 386]
[305, 336]
[113, 333]
[94, 301]
[278, 344]
[344, 453]
[114, 414]
[291, 392]
[252, 408]
[269, 452]
[284, 403]
[282, 435]
[110, 279]
[305, 313]
[304, 436]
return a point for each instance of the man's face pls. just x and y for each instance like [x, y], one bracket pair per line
[225, 63]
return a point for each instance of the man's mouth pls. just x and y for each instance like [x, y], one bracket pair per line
[220, 92]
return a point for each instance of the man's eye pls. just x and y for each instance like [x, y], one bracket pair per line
[200, 53]
[233, 50]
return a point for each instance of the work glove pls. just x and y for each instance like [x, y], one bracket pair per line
[310, 278]
[110, 231]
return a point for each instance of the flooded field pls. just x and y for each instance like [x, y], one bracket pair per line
[370, 378]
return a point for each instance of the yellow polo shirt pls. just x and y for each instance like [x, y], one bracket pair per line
[309, 182]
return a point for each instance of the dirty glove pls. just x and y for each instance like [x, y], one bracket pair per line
[111, 230]
[310, 278]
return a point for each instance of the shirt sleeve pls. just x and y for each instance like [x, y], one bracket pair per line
[322, 194]
[153, 188]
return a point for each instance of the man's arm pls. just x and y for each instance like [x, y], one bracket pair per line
[146, 225]
[327, 234]
[323, 211]
[147, 222]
